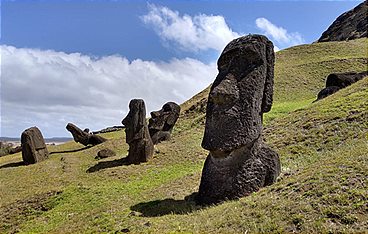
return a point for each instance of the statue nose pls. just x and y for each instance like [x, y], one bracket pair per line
[226, 92]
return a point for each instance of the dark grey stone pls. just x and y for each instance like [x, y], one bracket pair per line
[137, 135]
[162, 122]
[84, 137]
[239, 163]
[33, 146]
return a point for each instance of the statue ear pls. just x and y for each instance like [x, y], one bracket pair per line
[268, 86]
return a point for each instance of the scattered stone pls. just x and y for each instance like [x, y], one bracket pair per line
[348, 26]
[15, 150]
[83, 137]
[33, 146]
[337, 81]
[109, 129]
[239, 163]
[105, 153]
[162, 122]
[137, 134]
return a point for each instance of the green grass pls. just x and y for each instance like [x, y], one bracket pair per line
[322, 187]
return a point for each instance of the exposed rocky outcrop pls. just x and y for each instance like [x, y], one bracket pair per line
[337, 81]
[162, 122]
[239, 163]
[348, 26]
[109, 129]
[137, 134]
[33, 146]
[84, 137]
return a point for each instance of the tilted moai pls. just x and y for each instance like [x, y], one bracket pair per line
[33, 146]
[137, 135]
[239, 163]
[84, 137]
[162, 122]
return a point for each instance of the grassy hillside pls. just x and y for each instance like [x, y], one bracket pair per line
[322, 147]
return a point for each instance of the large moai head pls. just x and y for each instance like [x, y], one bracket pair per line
[135, 121]
[33, 146]
[162, 122]
[240, 94]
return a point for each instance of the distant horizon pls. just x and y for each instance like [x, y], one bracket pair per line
[83, 61]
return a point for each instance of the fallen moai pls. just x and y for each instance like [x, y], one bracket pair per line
[33, 146]
[137, 135]
[162, 122]
[84, 137]
[239, 163]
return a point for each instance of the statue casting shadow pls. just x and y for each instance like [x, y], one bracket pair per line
[109, 164]
[71, 151]
[13, 164]
[167, 206]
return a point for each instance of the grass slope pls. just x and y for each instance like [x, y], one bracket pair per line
[322, 188]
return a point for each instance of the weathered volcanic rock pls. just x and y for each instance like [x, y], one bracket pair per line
[162, 122]
[239, 163]
[137, 135]
[84, 137]
[33, 146]
[105, 153]
[348, 26]
[337, 81]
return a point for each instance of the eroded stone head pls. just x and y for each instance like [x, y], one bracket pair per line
[135, 121]
[240, 94]
[162, 121]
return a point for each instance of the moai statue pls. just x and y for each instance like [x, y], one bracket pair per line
[137, 135]
[239, 163]
[84, 137]
[162, 122]
[33, 146]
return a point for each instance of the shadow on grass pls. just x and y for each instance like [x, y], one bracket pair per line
[13, 164]
[109, 164]
[70, 151]
[167, 206]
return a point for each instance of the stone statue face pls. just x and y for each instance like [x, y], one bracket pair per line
[164, 119]
[240, 94]
[135, 121]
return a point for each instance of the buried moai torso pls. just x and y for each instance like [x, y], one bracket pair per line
[33, 146]
[137, 135]
[162, 122]
[239, 163]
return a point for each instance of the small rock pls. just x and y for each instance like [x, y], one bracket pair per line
[105, 153]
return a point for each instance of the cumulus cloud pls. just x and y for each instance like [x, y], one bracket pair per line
[197, 33]
[279, 34]
[49, 89]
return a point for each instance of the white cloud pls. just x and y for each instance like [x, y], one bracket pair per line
[279, 34]
[200, 32]
[49, 89]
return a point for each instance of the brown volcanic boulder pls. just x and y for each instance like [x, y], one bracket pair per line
[84, 137]
[239, 163]
[337, 81]
[348, 26]
[137, 135]
[105, 153]
[162, 122]
[33, 146]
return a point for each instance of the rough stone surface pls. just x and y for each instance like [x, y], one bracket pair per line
[33, 146]
[137, 134]
[84, 137]
[162, 122]
[105, 153]
[348, 26]
[337, 81]
[239, 163]
[15, 150]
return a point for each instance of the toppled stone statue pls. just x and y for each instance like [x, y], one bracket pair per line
[84, 137]
[162, 122]
[337, 81]
[239, 163]
[33, 146]
[137, 135]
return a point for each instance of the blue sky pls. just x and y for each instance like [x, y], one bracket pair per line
[82, 61]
